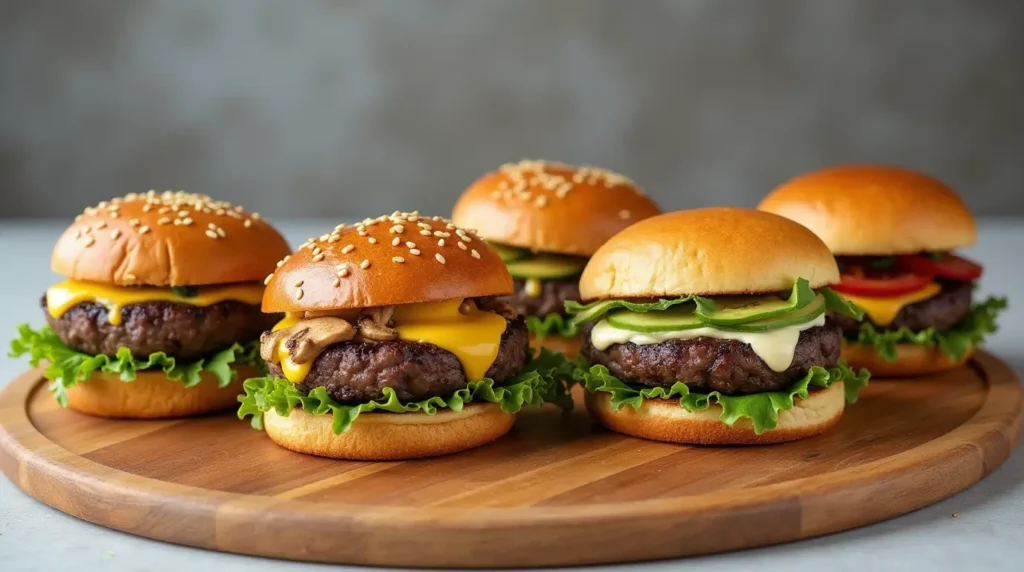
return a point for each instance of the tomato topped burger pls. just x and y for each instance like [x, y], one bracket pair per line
[893, 232]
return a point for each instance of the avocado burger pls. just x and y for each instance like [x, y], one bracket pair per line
[545, 220]
[708, 326]
[894, 232]
[396, 344]
[160, 313]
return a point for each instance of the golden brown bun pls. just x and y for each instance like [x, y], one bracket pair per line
[707, 251]
[153, 396]
[166, 239]
[359, 266]
[875, 209]
[390, 436]
[911, 360]
[665, 420]
[568, 346]
[552, 207]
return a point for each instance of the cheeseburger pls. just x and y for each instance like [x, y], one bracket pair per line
[545, 220]
[163, 291]
[708, 326]
[893, 232]
[395, 344]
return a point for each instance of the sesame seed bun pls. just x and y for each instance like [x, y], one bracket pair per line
[153, 396]
[911, 360]
[707, 251]
[390, 436]
[403, 258]
[552, 207]
[875, 210]
[167, 239]
[665, 420]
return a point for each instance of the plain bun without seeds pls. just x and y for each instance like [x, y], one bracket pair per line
[552, 207]
[912, 360]
[875, 210]
[708, 251]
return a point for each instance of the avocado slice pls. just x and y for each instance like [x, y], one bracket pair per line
[509, 253]
[809, 312]
[670, 320]
[732, 310]
[546, 267]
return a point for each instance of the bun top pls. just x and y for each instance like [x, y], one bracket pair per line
[707, 251]
[403, 258]
[875, 210]
[552, 207]
[167, 239]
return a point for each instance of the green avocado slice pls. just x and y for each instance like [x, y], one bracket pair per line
[732, 310]
[546, 267]
[672, 319]
[509, 253]
[809, 312]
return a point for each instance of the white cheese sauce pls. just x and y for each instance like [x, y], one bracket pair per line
[775, 348]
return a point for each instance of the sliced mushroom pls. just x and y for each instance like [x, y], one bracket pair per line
[498, 305]
[371, 330]
[313, 336]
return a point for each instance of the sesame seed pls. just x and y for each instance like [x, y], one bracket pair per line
[134, 222]
[115, 234]
[78, 218]
[364, 264]
[440, 242]
[324, 237]
[299, 283]
[247, 223]
[348, 248]
[187, 221]
[541, 201]
[316, 250]
[78, 233]
[397, 229]
[333, 238]
[440, 233]
[221, 232]
[182, 214]
[462, 245]
[113, 214]
[299, 294]
[318, 257]
[439, 257]
[102, 225]
[143, 229]
[211, 226]
[268, 278]
[163, 210]
[255, 216]
[474, 253]
[372, 240]
[397, 259]
[336, 283]
[396, 241]
[343, 271]
[90, 241]
[624, 214]
[147, 207]
[425, 232]
[163, 220]
[211, 234]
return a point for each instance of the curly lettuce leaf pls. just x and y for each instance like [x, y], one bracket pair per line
[955, 342]
[551, 324]
[536, 385]
[66, 367]
[761, 408]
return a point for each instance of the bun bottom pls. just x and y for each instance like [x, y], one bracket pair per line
[390, 436]
[568, 346]
[153, 396]
[665, 420]
[911, 360]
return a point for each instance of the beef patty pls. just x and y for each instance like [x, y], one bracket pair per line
[710, 364]
[552, 298]
[179, 330]
[942, 311]
[356, 372]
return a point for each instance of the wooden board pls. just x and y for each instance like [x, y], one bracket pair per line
[558, 490]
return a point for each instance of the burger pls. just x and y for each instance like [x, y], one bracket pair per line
[709, 327]
[159, 315]
[894, 232]
[545, 220]
[396, 344]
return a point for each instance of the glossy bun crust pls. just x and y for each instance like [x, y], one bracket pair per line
[552, 207]
[911, 360]
[403, 258]
[707, 251]
[167, 239]
[875, 210]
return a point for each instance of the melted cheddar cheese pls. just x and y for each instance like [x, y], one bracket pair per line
[293, 372]
[474, 337]
[533, 287]
[62, 297]
[883, 311]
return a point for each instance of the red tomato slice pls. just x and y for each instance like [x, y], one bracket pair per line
[882, 285]
[946, 266]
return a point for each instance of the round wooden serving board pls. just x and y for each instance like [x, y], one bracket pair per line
[556, 491]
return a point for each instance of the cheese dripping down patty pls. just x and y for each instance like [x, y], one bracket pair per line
[883, 310]
[474, 336]
[776, 347]
[63, 296]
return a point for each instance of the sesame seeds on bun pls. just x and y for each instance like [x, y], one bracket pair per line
[402, 258]
[552, 207]
[167, 239]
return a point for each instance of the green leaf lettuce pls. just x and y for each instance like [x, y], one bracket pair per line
[551, 324]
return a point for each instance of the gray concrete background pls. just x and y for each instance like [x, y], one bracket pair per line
[339, 108]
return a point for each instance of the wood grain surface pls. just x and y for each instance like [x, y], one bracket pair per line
[557, 491]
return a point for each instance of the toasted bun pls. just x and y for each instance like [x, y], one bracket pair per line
[360, 266]
[167, 239]
[153, 396]
[707, 251]
[561, 344]
[552, 207]
[390, 436]
[873, 209]
[911, 360]
[665, 420]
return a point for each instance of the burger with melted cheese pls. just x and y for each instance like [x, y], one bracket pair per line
[396, 344]
[545, 220]
[162, 291]
[893, 232]
[708, 326]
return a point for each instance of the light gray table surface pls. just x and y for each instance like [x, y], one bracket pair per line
[988, 533]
